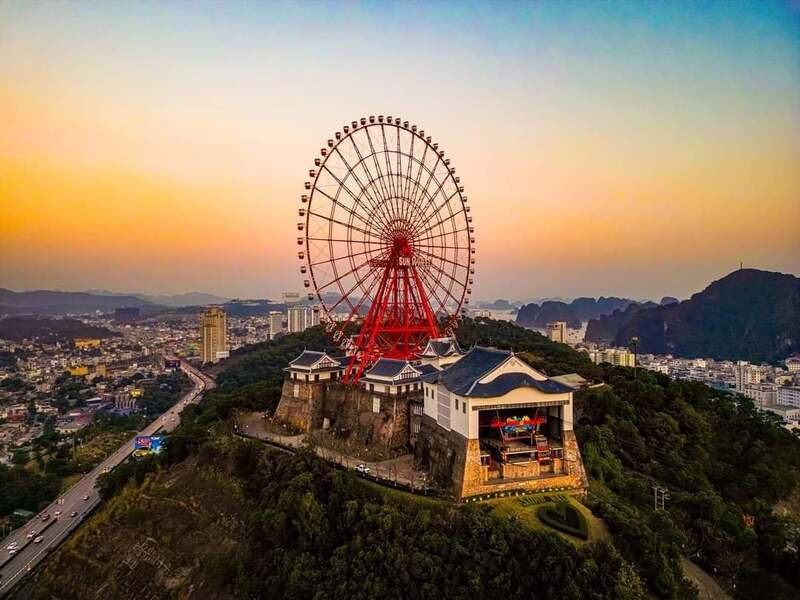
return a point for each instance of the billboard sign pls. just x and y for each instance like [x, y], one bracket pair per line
[147, 444]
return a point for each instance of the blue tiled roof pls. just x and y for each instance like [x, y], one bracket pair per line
[426, 369]
[309, 357]
[506, 382]
[444, 347]
[387, 367]
[461, 375]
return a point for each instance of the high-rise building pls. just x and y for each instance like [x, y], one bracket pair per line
[297, 318]
[213, 335]
[746, 374]
[315, 315]
[788, 396]
[557, 331]
[275, 323]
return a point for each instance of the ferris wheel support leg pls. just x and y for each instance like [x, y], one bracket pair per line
[360, 354]
[375, 329]
[425, 304]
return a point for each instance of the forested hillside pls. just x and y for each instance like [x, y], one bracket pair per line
[218, 517]
[722, 461]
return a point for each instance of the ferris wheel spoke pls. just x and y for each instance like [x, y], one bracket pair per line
[360, 281]
[374, 205]
[434, 213]
[389, 178]
[379, 177]
[447, 260]
[447, 296]
[343, 224]
[446, 234]
[432, 287]
[336, 202]
[448, 219]
[377, 190]
[342, 257]
[448, 275]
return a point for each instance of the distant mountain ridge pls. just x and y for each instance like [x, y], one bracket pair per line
[747, 315]
[574, 313]
[173, 300]
[48, 302]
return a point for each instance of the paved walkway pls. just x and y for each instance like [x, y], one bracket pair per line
[396, 470]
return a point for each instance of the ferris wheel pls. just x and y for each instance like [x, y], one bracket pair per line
[386, 240]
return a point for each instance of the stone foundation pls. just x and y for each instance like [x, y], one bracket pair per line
[348, 411]
[454, 463]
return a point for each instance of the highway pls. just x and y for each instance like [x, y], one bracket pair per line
[82, 497]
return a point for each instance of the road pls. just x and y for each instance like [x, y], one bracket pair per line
[82, 497]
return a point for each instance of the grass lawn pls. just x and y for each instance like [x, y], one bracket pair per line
[524, 508]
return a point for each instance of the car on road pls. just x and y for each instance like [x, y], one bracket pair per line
[57, 513]
[31, 533]
[86, 496]
[44, 516]
[11, 546]
[362, 468]
[38, 540]
[12, 552]
[73, 514]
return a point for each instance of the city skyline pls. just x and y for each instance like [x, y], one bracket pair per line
[611, 149]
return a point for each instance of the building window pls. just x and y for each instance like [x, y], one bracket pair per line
[316, 377]
[456, 403]
[464, 407]
[371, 387]
[415, 427]
[296, 390]
[376, 404]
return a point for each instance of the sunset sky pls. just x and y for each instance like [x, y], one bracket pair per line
[634, 149]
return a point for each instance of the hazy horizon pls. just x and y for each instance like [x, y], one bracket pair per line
[635, 150]
[276, 296]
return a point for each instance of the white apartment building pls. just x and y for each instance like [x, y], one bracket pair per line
[297, 318]
[788, 396]
[762, 395]
[275, 323]
[746, 374]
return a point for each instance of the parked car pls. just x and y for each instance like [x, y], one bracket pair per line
[12, 552]
[73, 514]
[11, 546]
[31, 533]
[86, 497]
[57, 513]
[45, 516]
[362, 468]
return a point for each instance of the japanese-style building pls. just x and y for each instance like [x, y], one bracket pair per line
[479, 422]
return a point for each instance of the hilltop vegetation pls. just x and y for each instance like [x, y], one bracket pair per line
[236, 520]
[722, 461]
[215, 516]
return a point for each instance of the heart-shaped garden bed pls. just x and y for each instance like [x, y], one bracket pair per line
[564, 517]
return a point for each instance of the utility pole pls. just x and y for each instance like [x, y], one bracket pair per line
[660, 495]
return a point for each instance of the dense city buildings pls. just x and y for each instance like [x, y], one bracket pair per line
[213, 335]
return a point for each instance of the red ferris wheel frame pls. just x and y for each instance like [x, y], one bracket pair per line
[388, 240]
